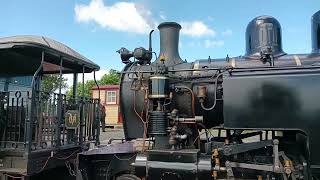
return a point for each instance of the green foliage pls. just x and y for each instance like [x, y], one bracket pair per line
[51, 83]
[112, 78]
[88, 85]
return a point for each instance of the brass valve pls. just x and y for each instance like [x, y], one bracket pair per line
[202, 92]
[162, 58]
[215, 158]
[215, 153]
[214, 174]
[226, 141]
[287, 166]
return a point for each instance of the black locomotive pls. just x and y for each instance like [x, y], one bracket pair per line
[249, 117]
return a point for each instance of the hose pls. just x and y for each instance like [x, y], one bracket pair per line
[215, 95]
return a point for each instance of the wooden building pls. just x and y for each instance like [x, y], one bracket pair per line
[109, 96]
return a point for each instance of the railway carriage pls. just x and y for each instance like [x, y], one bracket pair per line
[41, 131]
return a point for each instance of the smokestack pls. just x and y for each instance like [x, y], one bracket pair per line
[169, 42]
[315, 34]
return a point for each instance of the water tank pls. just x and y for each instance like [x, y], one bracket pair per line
[315, 32]
[263, 32]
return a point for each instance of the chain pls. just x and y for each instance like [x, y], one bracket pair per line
[71, 171]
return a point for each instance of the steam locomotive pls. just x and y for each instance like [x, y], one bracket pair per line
[255, 116]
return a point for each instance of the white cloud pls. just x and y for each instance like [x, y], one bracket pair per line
[196, 29]
[121, 16]
[212, 43]
[132, 17]
[194, 44]
[227, 32]
[162, 16]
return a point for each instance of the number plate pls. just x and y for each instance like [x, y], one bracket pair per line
[72, 119]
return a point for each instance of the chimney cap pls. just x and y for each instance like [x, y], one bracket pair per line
[170, 24]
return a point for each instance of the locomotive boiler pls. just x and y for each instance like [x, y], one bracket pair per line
[254, 116]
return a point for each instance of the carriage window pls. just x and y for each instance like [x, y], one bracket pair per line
[111, 97]
[14, 83]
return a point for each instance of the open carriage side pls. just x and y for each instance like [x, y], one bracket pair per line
[42, 130]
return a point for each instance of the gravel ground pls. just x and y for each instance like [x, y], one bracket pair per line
[116, 133]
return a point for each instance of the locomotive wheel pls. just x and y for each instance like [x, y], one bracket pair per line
[128, 177]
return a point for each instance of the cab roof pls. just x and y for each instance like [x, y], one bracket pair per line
[22, 55]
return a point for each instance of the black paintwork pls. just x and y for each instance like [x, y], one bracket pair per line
[277, 94]
[169, 43]
[277, 100]
[315, 32]
[263, 32]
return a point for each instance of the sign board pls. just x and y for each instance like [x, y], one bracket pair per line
[72, 119]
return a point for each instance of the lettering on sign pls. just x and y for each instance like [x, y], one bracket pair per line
[72, 119]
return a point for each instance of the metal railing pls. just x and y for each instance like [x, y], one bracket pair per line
[14, 110]
[43, 120]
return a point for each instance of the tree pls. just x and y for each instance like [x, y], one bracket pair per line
[51, 83]
[111, 78]
[88, 85]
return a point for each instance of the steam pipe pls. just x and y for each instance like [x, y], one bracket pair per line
[99, 114]
[215, 96]
[58, 135]
[30, 120]
[150, 40]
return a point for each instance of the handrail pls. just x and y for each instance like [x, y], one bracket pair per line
[18, 103]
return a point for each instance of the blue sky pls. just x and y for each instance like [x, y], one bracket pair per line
[97, 28]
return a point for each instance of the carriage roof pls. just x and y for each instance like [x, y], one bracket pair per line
[22, 55]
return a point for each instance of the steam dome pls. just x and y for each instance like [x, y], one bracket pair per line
[262, 33]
